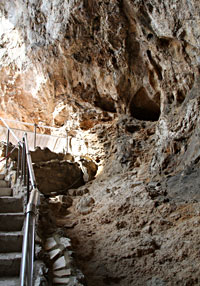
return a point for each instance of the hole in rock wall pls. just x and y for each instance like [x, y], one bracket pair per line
[149, 37]
[180, 97]
[144, 108]
[150, 8]
[105, 103]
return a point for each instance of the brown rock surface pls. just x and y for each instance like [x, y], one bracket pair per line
[122, 77]
[57, 176]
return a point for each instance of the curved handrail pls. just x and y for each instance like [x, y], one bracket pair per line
[10, 130]
[29, 163]
[4, 120]
[26, 271]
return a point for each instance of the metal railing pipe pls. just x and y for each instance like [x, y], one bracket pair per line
[27, 261]
[29, 162]
[13, 134]
[28, 184]
[31, 249]
[32, 124]
[7, 147]
[26, 272]
[24, 162]
[24, 252]
[35, 135]
[18, 160]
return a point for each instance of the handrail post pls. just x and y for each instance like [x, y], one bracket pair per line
[27, 183]
[66, 143]
[7, 147]
[35, 134]
[30, 165]
[24, 162]
[18, 160]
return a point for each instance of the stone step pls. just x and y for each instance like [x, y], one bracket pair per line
[13, 281]
[11, 221]
[5, 192]
[10, 264]
[2, 176]
[4, 184]
[11, 204]
[11, 241]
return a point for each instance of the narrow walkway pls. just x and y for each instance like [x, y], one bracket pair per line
[53, 142]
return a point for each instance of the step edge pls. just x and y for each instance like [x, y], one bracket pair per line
[11, 233]
[11, 214]
[10, 255]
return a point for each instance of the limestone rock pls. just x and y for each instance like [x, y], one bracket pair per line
[57, 176]
[44, 155]
[122, 78]
[85, 205]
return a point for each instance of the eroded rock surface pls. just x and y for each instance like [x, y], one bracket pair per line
[57, 176]
[122, 77]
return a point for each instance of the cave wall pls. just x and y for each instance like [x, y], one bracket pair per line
[98, 52]
[122, 77]
[79, 64]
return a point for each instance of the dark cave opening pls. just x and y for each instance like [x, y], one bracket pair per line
[142, 107]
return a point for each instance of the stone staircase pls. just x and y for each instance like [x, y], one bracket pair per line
[11, 223]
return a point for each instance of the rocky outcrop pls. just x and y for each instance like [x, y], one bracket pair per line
[57, 176]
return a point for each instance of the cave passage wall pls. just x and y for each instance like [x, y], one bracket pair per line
[73, 60]
[122, 78]
[78, 64]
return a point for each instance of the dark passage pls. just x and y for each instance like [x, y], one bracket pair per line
[143, 108]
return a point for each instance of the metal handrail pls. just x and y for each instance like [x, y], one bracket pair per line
[29, 163]
[26, 271]
[10, 130]
[35, 129]
[32, 124]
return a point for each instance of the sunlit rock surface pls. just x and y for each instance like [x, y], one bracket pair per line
[122, 78]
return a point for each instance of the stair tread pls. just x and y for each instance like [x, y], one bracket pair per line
[17, 232]
[4, 183]
[9, 204]
[11, 242]
[11, 233]
[10, 255]
[9, 281]
[11, 221]
[12, 214]
[11, 197]
[2, 176]
[5, 192]
[10, 264]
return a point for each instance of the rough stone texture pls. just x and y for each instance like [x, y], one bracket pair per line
[138, 58]
[57, 176]
[123, 78]
[57, 250]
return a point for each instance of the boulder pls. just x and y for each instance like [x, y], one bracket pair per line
[56, 177]
[44, 155]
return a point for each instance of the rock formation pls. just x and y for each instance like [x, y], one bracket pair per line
[122, 78]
